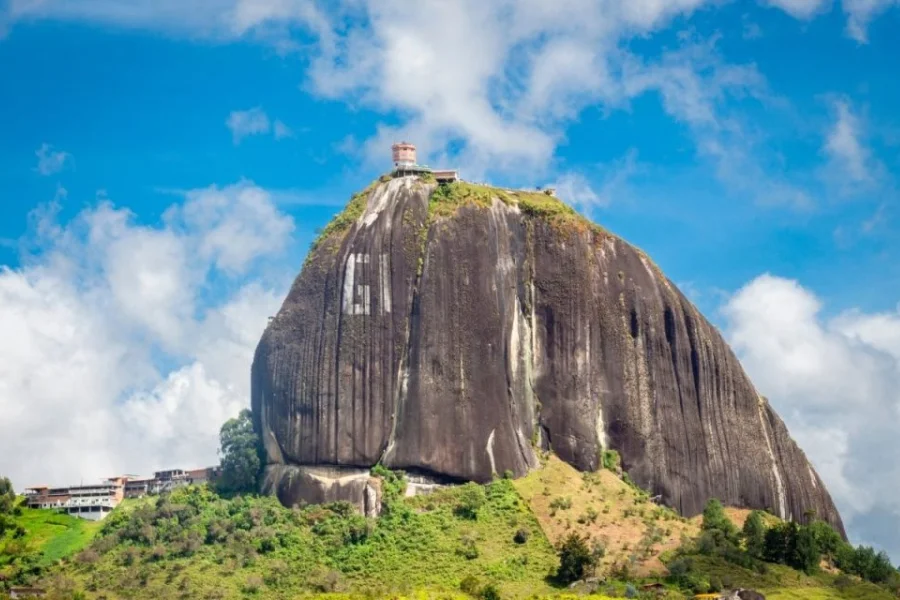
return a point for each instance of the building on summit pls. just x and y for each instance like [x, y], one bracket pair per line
[95, 502]
[403, 155]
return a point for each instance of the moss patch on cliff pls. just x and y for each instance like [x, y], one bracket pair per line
[448, 198]
[345, 219]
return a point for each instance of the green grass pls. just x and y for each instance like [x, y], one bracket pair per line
[52, 535]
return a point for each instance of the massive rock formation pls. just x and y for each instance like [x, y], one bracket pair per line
[451, 334]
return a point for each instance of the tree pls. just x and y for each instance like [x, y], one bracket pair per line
[778, 543]
[575, 559]
[240, 452]
[754, 534]
[714, 518]
[7, 496]
[827, 538]
[806, 553]
[7, 502]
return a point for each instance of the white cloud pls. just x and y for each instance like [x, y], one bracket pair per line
[801, 9]
[577, 191]
[851, 162]
[843, 143]
[836, 382]
[281, 130]
[51, 161]
[498, 78]
[113, 359]
[244, 123]
[255, 121]
[217, 19]
[612, 180]
[861, 12]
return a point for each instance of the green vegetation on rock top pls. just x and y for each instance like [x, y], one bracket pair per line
[342, 222]
[447, 198]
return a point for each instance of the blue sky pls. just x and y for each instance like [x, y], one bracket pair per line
[165, 168]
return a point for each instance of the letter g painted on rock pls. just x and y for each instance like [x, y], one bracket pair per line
[357, 296]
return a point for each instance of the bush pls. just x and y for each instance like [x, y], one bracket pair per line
[590, 515]
[490, 592]
[470, 499]
[253, 584]
[611, 460]
[326, 580]
[560, 503]
[575, 559]
[470, 585]
[87, 557]
[467, 547]
[521, 536]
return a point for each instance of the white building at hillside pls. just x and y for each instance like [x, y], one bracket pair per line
[91, 502]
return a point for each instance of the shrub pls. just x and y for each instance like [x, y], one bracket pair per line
[470, 585]
[470, 499]
[490, 592]
[253, 584]
[326, 580]
[467, 547]
[590, 515]
[87, 557]
[522, 535]
[611, 460]
[575, 559]
[561, 503]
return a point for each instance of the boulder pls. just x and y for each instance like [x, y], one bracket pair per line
[457, 333]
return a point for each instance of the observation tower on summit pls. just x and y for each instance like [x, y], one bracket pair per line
[403, 155]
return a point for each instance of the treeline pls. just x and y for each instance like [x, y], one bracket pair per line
[801, 547]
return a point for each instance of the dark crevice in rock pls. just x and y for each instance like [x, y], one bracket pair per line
[695, 361]
[669, 325]
[635, 325]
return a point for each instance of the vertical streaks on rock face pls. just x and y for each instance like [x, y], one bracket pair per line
[466, 413]
[456, 342]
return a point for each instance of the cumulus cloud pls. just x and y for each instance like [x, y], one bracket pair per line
[51, 161]
[836, 382]
[113, 358]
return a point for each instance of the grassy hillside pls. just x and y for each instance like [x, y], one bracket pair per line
[484, 541]
[196, 544]
[633, 530]
[48, 537]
